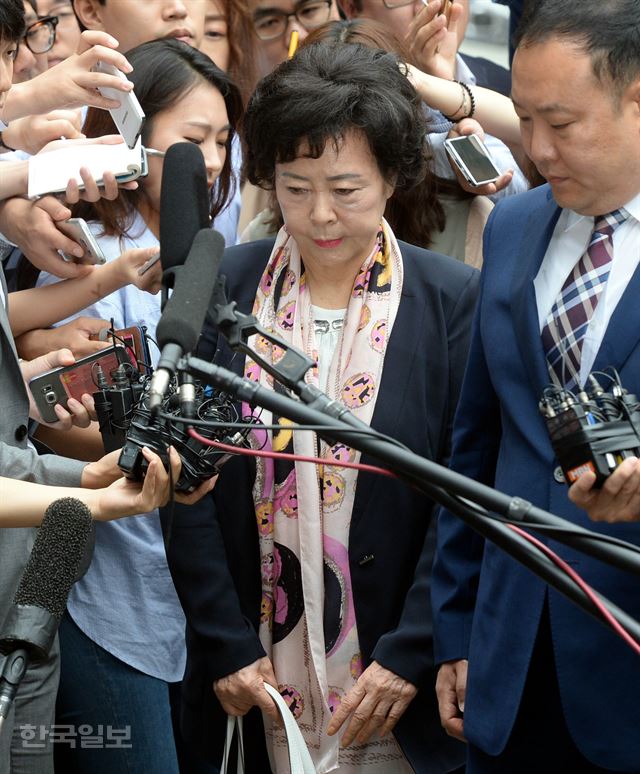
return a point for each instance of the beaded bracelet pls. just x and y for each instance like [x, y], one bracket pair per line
[467, 96]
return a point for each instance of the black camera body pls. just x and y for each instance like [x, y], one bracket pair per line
[127, 423]
[593, 430]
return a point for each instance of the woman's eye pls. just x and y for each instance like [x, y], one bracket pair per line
[215, 35]
[345, 191]
[194, 140]
[296, 191]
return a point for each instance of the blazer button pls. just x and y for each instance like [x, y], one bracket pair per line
[366, 559]
[558, 475]
[21, 433]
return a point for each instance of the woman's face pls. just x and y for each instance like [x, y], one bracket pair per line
[67, 31]
[199, 117]
[215, 43]
[333, 205]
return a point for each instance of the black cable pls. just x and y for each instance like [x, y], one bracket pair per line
[244, 425]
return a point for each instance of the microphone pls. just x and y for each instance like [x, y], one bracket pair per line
[41, 597]
[184, 205]
[183, 316]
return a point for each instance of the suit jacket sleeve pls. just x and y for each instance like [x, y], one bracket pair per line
[225, 639]
[408, 649]
[26, 465]
[476, 440]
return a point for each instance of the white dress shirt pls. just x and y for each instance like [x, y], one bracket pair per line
[569, 242]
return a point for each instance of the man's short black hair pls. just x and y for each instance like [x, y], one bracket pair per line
[609, 30]
[325, 91]
[12, 24]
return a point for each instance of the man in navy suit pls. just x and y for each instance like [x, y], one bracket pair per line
[529, 680]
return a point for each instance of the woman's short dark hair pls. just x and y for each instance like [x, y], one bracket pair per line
[326, 91]
[12, 24]
[164, 72]
[415, 214]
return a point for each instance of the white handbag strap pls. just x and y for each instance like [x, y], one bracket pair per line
[233, 723]
[299, 758]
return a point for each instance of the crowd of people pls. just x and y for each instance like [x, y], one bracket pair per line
[434, 309]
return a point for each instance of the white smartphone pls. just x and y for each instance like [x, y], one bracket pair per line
[473, 159]
[129, 117]
[78, 230]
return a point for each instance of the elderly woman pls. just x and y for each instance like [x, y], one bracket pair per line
[316, 578]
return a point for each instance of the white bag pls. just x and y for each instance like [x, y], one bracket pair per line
[299, 759]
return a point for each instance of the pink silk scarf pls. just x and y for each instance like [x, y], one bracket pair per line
[308, 625]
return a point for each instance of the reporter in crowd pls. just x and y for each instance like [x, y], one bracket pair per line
[36, 695]
[139, 21]
[122, 639]
[526, 677]
[350, 654]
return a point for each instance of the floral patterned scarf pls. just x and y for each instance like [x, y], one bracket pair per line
[308, 625]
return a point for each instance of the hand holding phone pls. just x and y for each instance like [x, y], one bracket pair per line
[471, 157]
[129, 117]
[73, 381]
[78, 230]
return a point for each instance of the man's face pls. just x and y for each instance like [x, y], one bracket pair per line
[582, 139]
[27, 65]
[67, 31]
[270, 53]
[133, 22]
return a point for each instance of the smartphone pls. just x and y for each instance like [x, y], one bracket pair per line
[129, 117]
[78, 230]
[446, 9]
[50, 172]
[72, 381]
[133, 338]
[148, 264]
[473, 159]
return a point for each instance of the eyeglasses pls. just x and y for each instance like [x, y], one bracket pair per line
[272, 24]
[40, 36]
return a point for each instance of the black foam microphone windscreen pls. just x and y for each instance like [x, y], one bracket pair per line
[41, 596]
[184, 202]
[185, 312]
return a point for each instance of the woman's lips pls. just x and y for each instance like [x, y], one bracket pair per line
[327, 242]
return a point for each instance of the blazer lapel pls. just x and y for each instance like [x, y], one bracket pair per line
[616, 346]
[535, 240]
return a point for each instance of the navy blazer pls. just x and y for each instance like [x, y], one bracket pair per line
[500, 437]
[214, 552]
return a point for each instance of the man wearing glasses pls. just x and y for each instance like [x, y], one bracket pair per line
[275, 20]
[39, 37]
